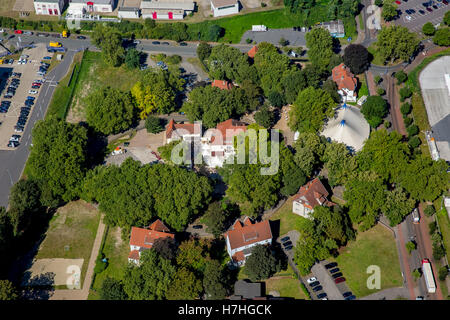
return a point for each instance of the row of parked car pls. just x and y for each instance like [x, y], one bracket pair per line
[316, 287]
[13, 85]
[287, 243]
[337, 275]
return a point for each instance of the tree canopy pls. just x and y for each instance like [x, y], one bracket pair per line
[320, 47]
[374, 110]
[396, 42]
[356, 57]
[261, 264]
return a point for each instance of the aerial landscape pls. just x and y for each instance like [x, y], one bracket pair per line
[251, 150]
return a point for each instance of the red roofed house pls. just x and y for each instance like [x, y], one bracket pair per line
[185, 131]
[252, 52]
[346, 82]
[243, 236]
[142, 239]
[309, 196]
[217, 144]
[222, 84]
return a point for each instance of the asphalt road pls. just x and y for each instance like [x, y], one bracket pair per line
[13, 162]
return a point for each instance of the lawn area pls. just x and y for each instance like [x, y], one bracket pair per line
[373, 247]
[74, 225]
[116, 251]
[94, 73]
[64, 92]
[363, 90]
[288, 219]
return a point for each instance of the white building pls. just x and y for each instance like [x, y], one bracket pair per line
[80, 7]
[241, 238]
[166, 9]
[129, 12]
[224, 7]
[308, 197]
[49, 7]
[346, 82]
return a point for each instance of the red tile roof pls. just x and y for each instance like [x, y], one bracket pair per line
[249, 233]
[239, 256]
[222, 84]
[172, 126]
[234, 127]
[146, 237]
[313, 194]
[134, 255]
[252, 52]
[344, 78]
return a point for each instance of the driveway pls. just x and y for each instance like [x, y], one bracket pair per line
[295, 38]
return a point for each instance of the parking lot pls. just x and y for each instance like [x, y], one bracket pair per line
[17, 80]
[420, 15]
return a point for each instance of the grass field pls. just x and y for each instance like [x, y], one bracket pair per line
[116, 251]
[363, 90]
[288, 219]
[75, 225]
[373, 247]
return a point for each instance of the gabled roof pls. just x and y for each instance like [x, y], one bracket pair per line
[252, 52]
[145, 238]
[233, 127]
[172, 127]
[222, 84]
[344, 78]
[313, 194]
[223, 3]
[241, 235]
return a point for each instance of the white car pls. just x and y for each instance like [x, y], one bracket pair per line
[32, 92]
[311, 280]
[408, 18]
[136, 41]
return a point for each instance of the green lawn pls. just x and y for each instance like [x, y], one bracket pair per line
[287, 287]
[363, 90]
[116, 251]
[75, 225]
[373, 247]
[288, 219]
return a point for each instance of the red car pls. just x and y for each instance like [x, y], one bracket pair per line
[18, 31]
[398, 2]
[445, 2]
[38, 84]
[339, 280]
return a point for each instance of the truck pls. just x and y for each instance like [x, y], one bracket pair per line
[259, 27]
[415, 216]
[65, 34]
[55, 44]
[428, 275]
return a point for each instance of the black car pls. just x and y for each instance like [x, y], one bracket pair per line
[421, 12]
[288, 248]
[334, 270]
[337, 275]
[284, 239]
[314, 284]
[81, 37]
[331, 265]
[322, 295]
[318, 288]
[165, 43]
[13, 144]
[429, 9]
[435, 7]
[412, 11]
[408, 11]
[352, 297]
[156, 42]
[347, 294]
[29, 103]
[287, 243]
[183, 44]
[197, 226]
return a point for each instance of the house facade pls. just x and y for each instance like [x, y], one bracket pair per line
[143, 238]
[346, 83]
[224, 7]
[166, 9]
[242, 237]
[308, 197]
[49, 7]
[182, 131]
[81, 7]
[129, 12]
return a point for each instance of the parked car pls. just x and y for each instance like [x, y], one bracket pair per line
[314, 284]
[288, 248]
[339, 280]
[421, 12]
[398, 2]
[13, 144]
[311, 280]
[15, 138]
[136, 42]
[18, 129]
[429, 9]
[445, 2]
[321, 295]
[18, 31]
[197, 226]
[183, 44]
[408, 18]
[334, 270]
[287, 244]
[331, 265]
[28, 33]
[352, 297]
[347, 294]
[32, 92]
[165, 43]
[156, 42]
[284, 239]
[81, 37]
[318, 288]
[337, 275]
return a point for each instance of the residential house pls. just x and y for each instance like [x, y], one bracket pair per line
[222, 84]
[346, 82]
[252, 52]
[185, 131]
[224, 7]
[308, 197]
[247, 290]
[80, 7]
[242, 237]
[49, 7]
[336, 28]
[143, 239]
[218, 143]
[166, 9]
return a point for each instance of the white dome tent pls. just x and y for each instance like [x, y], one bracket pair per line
[348, 126]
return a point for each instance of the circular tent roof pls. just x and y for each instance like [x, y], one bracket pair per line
[348, 126]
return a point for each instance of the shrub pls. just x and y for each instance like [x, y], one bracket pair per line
[387, 124]
[175, 59]
[429, 210]
[416, 274]
[438, 251]
[406, 108]
[412, 130]
[380, 91]
[428, 29]
[248, 40]
[443, 271]
[433, 227]
[153, 124]
[401, 76]
[379, 3]
[407, 121]
[442, 37]
[100, 266]
[283, 42]
[410, 246]
[414, 142]
[263, 5]
[405, 93]
[377, 79]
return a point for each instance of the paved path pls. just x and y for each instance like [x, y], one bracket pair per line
[388, 294]
[84, 292]
[404, 263]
